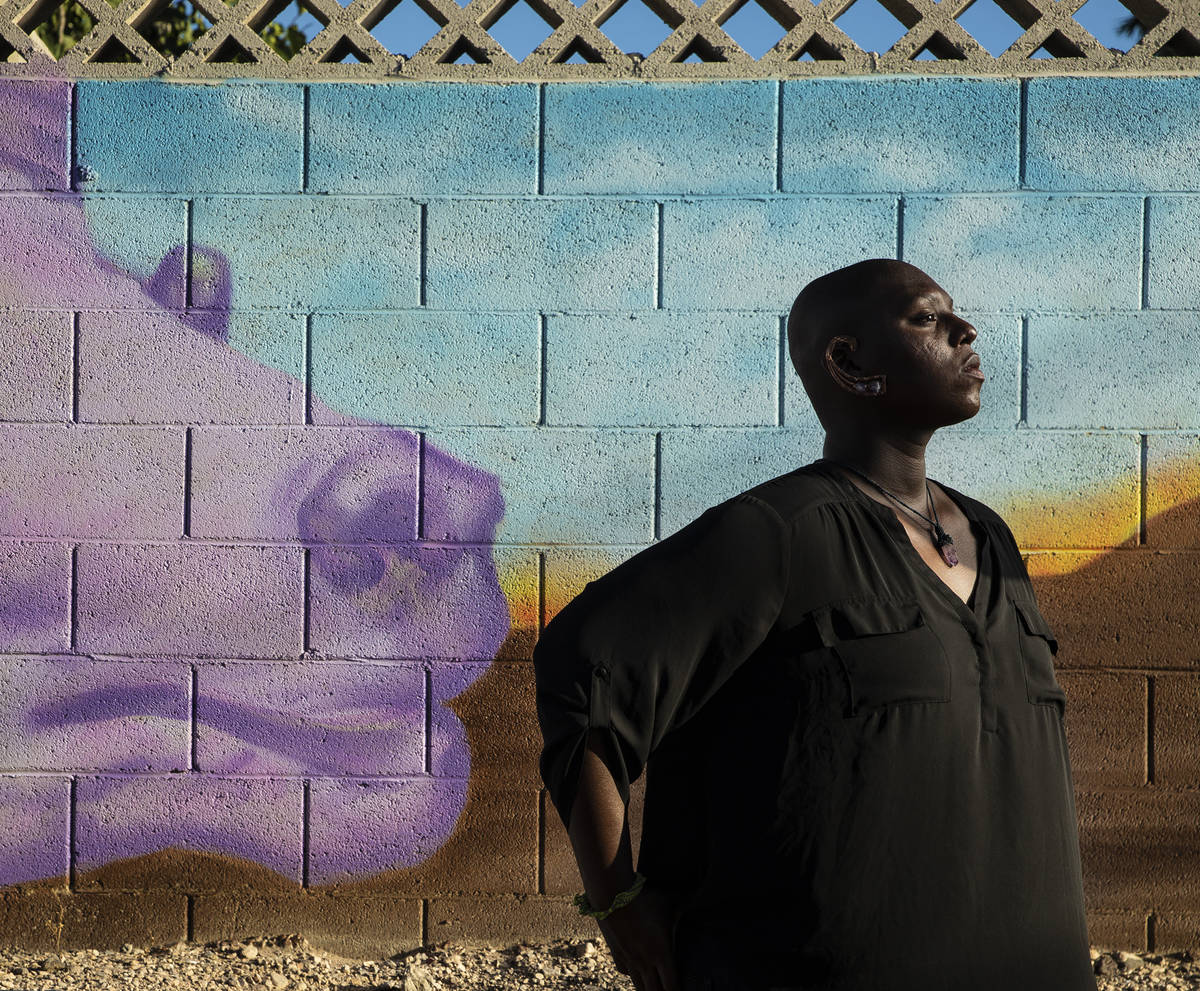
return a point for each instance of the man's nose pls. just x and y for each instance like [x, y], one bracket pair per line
[965, 331]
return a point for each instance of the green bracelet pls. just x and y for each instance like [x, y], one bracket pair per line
[623, 898]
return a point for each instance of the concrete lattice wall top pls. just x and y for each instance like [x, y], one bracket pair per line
[234, 43]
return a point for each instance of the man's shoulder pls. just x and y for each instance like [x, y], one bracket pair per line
[795, 492]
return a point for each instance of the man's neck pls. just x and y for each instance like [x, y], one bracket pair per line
[898, 466]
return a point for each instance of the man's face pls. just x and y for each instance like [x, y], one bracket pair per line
[914, 337]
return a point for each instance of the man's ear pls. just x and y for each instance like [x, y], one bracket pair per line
[845, 371]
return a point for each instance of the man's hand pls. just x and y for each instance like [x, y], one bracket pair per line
[640, 937]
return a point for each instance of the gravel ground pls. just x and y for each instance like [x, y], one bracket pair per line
[290, 962]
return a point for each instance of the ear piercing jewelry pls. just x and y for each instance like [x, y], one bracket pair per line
[867, 385]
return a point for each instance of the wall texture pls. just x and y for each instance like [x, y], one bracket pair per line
[320, 399]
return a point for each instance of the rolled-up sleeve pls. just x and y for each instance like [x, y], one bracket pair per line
[641, 650]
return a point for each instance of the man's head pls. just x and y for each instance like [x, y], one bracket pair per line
[879, 339]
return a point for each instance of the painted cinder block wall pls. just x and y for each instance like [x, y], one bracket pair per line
[320, 399]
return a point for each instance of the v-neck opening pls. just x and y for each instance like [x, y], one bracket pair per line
[972, 605]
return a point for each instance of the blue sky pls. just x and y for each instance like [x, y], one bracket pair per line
[635, 28]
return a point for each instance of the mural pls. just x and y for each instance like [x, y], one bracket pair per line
[308, 420]
[345, 501]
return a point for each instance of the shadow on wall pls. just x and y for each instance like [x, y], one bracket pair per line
[219, 579]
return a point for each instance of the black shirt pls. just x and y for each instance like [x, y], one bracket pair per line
[854, 778]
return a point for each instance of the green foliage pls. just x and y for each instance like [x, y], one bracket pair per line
[171, 32]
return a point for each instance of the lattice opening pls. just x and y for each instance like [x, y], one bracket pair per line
[1109, 22]
[699, 50]
[345, 51]
[817, 49]
[287, 26]
[519, 28]
[1058, 45]
[404, 28]
[57, 27]
[990, 25]
[578, 52]
[1182, 44]
[231, 50]
[462, 52]
[638, 29]
[755, 29]
[171, 27]
[114, 50]
[9, 54]
[871, 26]
[938, 48]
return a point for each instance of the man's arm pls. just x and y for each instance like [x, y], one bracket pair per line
[638, 934]
[599, 829]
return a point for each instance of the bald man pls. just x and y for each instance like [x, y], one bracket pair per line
[842, 691]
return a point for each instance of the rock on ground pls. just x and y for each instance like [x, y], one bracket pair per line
[290, 963]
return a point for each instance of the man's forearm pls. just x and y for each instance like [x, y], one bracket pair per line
[599, 829]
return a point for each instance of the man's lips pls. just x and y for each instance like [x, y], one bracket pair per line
[971, 367]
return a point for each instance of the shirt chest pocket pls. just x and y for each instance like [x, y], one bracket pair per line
[888, 652]
[1038, 647]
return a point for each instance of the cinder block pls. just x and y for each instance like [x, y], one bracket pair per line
[67, 714]
[373, 928]
[295, 483]
[156, 136]
[999, 347]
[255, 820]
[427, 368]
[34, 837]
[141, 235]
[1173, 490]
[660, 137]
[1029, 251]
[561, 869]
[1140, 370]
[30, 921]
[35, 377]
[907, 135]
[405, 601]
[1113, 134]
[1119, 929]
[423, 137]
[1106, 727]
[95, 252]
[310, 718]
[449, 844]
[615, 467]
[588, 254]
[508, 920]
[313, 252]
[701, 468]
[484, 723]
[1176, 930]
[1176, 721]
[91, 482]
[34, 128]
[759, 253]
[156, 367]
[205, 600]
[1140, 848]
[518, 571]
[1149, 615]
[1172, 264]
[657, 368]
[35, 597]
[1054, 489]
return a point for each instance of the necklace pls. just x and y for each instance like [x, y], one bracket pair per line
[942, 540]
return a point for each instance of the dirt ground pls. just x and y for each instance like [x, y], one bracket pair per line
[290, 962]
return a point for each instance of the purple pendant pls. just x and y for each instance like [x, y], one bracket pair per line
[948, 554]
